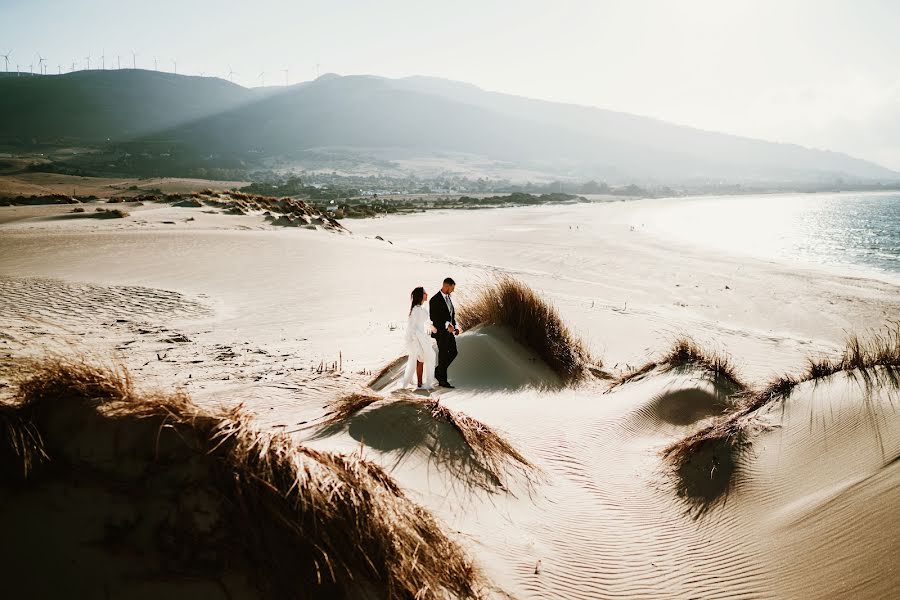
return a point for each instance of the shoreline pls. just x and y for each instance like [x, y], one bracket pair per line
[850, 270]
[843, 270]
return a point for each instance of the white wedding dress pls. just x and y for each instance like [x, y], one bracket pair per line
[421, 347]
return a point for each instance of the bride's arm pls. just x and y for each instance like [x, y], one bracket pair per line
[423, 321]
[429, 326]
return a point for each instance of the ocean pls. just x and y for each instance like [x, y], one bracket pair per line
[853, 231]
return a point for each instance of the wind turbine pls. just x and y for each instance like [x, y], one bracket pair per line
[285, 71]
[6, 58]
[155, 65]
[103, 59]
[262, 78]
[133, 59]
[41, 61]
[175, 64]
[58, 69]
[231, 74]
[118, 61]
[88, 59]
[73, 67]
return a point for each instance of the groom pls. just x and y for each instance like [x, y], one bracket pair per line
[443, 317]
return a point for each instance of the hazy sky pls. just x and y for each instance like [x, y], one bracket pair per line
[818, 73]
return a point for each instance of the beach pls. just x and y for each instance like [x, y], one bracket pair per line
[236, 311]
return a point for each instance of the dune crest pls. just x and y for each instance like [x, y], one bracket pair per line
[706, 460]
[239, 512]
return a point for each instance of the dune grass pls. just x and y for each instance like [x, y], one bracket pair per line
[394, 364]
[21, 448]
[345, 407]
[493, 452]
[304, 523]
[862, 354]
[707, 459]
[534, 323]
[687, 353]
[294, 212]
[112, 213]
[484, 458]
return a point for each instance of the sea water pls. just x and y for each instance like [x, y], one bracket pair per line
[856, 231]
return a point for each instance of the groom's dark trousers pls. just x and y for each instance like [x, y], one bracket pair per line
[446, 341]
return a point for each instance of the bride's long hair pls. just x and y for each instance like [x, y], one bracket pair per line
[417, 296]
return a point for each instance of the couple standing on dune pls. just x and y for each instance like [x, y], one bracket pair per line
[437, 320]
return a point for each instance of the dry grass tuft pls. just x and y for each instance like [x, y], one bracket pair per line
[878, 349]
[481, 457]
[533, 321]
[686, 352]
[21, 449]
[494, 453]
[376, 381]
[636, 373]
[340, 521]
[44, 385]
[306, 524]
[779, 388]
[345, 407]
[113, 213]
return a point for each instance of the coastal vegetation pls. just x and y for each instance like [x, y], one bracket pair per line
[533, 322]
[706, 460]
[330, 202]
[219, 497]
[686, 353]
[467, 448]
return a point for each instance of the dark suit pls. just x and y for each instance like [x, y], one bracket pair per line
[446, 341]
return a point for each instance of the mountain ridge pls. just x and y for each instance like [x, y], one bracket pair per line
[419, 114]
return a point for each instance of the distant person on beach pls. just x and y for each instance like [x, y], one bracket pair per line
[419, 344]
[443, 320]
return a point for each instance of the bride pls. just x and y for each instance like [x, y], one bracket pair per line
[419, 344]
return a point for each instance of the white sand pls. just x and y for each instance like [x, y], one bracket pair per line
[236, 310]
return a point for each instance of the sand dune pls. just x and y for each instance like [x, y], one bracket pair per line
[607, 522]
[823, 482]
[143, 490]
[489, 359]
[38, 183]
[288, 322]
